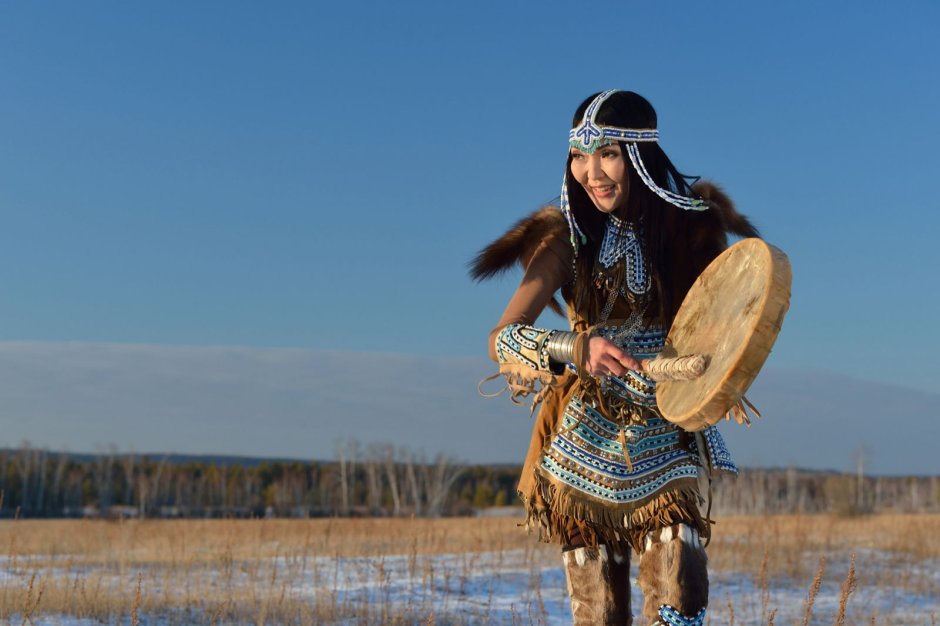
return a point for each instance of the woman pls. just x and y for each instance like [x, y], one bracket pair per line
[605, 474]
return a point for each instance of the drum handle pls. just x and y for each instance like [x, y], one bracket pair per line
[687, 367]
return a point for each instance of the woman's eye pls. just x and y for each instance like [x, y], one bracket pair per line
[577, 155]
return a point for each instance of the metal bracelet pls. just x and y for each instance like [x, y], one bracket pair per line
[560, 346]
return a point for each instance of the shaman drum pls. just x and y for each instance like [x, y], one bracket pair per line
[731, 316]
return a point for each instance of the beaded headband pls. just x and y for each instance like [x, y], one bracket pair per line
[588, 137]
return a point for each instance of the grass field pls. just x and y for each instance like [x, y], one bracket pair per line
[446, 571]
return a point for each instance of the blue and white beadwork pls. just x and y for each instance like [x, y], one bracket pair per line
[621, 241]
[519, 343]
[587, 456]
[588, 136]
[671, 617]
[689, 204]
[719, 457]
[635, 387]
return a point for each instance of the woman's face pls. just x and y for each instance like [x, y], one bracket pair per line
[603, 174]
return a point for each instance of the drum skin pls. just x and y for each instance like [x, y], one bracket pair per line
[731, 315]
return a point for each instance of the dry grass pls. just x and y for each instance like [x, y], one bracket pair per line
[228, 570]
[247, 571]
[175, 541]
[793, 546]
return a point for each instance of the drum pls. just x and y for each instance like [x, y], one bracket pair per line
[731, 316]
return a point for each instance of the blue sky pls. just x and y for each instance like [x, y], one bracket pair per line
[316, 175]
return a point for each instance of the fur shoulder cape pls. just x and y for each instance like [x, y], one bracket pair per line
[519, 243]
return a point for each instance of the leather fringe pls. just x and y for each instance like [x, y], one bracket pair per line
[523, 381]
[557, 513]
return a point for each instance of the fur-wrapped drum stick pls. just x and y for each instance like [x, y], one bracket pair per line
[687, 367]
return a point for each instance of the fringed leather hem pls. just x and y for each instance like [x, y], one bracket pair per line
[523, 381]
[559, 515]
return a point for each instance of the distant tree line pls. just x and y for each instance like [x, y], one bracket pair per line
[790, 490]
[377, 479]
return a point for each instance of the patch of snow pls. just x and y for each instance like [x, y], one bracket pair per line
[527, 586]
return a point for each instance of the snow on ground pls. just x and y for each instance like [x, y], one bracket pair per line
[522, 587]
[505, 589]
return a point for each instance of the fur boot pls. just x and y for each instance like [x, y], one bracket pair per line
[599, 586]
[673, 577]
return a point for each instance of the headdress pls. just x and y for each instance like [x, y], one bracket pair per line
[588, 137]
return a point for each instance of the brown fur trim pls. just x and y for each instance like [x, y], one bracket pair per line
[598, 587]
[518, 245]
[707, 237]
[673, 573]
[731, 221]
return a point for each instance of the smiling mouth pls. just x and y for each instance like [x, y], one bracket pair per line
[603, 190]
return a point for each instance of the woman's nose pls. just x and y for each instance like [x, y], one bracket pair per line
[594, 168]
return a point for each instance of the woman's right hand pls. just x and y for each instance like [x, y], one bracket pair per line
[605, 358]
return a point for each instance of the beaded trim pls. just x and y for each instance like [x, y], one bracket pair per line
[518, 343]
[671, 617]
[719, 457]
[634, 387]
[588, 456]
[621, 241]
[588, 136]
[575, 231]
[683, 202]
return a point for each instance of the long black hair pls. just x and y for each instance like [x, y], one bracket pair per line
[664, 229]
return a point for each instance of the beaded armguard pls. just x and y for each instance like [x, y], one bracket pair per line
[524, 361]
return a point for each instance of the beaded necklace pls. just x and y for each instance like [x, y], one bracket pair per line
[621, 270]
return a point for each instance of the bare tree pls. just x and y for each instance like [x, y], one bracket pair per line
[128, 461]
[861, 454]
[223, 487]
[441, 478]
[24, 466]
[347, 452]
[61, 463]
[410, 460]
[155, 487]
[792, 489]
[103, 469]
[391, 474]
[41, 458]
[371, 463]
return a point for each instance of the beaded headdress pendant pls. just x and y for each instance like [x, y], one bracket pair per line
[588, 136]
